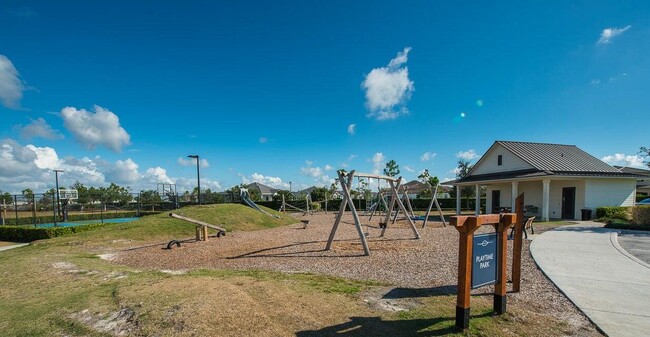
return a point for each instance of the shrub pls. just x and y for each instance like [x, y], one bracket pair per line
[315, 206]
[28, 234]
[614, 212]
[641, 215]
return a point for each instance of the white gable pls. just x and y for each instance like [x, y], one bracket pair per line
[509, 162]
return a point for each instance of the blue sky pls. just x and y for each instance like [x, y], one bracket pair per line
[115, 91]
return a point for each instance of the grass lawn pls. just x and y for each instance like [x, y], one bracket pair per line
[61, 287]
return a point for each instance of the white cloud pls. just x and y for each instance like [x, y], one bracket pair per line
[31, 167]
[263, 140]
[317, 173]
[39, 128]
[46, 157]
[467, 155]
[609, 33]
[352, 129]
[408, 168]
[11, 86]
[123, 172]
[275, 182]
[388, 89]
[378, 162]
[99, 128]
[622, 159]
[427, 156]
[192, 162]
[455, 171]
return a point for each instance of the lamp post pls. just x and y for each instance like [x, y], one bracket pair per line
[58, 204]
[198, 175]
[289, 187]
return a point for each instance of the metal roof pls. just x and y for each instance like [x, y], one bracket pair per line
[547, 160]
[262, 188]
[557, 157]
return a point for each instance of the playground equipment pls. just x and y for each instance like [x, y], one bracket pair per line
[65, 196]
[434, 201]
[305, 211]
[246, 199]
[201, 228]
[346, 183]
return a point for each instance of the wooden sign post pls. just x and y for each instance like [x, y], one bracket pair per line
[466, 226]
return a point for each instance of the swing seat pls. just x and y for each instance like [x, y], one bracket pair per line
[382, 225]
[305, 223]
[418, 218]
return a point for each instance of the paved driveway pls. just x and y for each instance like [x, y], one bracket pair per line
[636, 243]
[611, 288]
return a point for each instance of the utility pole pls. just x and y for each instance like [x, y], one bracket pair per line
[198, 175]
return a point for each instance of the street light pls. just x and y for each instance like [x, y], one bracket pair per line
[289, 187]
[198, 175]
[58, 200]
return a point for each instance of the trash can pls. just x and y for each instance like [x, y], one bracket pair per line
[586, 214]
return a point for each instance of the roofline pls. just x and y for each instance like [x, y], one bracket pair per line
[562, 175]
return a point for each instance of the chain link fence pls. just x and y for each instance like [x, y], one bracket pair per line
[39, 209]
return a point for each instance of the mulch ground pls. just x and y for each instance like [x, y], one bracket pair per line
[397, 259]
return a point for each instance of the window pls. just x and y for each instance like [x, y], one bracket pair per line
[499, 160]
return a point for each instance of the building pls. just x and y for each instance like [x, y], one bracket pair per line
[266, 192]
[557, 180]
[643, 182]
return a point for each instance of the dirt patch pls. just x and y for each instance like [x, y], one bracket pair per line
[428, 264]
[123, 322]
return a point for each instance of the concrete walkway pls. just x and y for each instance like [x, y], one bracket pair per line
[13, 246]
[609, 285]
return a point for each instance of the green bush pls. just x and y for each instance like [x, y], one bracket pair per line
[641, 215]
[315, 206]
[28, 234]
[613, 212]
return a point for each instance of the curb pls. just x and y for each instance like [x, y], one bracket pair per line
[613, 238]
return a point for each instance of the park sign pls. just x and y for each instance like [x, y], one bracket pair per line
[484, 260]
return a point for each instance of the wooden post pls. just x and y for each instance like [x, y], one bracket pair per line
[500, 287]
[198, 233]
[205, 233]
[517, 244]
[466, 227]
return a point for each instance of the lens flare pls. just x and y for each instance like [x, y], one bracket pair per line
[479, 103]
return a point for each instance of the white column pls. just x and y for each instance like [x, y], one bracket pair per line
[478, 199]
[457, 200]
[515, 193]
[546, 183]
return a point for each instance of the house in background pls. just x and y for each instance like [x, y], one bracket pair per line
[416, 187]
[557, 180]
[643, 182]
[266, 192]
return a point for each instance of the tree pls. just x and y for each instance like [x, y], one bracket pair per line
[427, 179]
[462, 170]
[645, 152]
[82, 192]
[391, 169]
[6, 198]
[319, 194]
[363, 190]
[288, 196]
[150, 198]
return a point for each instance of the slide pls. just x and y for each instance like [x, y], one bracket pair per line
[247, 200]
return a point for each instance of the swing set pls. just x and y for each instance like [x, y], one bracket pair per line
[305, 210]
[345, 180]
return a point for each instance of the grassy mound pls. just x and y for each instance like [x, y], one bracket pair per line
[232, 217]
